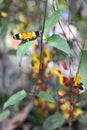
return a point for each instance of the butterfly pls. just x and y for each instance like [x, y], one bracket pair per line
[27, 36]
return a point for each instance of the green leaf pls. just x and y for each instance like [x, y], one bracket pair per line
[1, 1]
[83, 67]
[46, 96]
[15, 98]
[59, 43]
[51, 22]
[54, 122]
[22, 49]
[4, 115]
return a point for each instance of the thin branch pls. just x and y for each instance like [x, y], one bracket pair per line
[67, 26]
[74, 37]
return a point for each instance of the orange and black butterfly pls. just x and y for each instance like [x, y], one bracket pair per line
[27, 36]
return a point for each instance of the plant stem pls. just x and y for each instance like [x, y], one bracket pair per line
[41, 45]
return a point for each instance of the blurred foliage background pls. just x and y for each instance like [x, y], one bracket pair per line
[18, 16]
